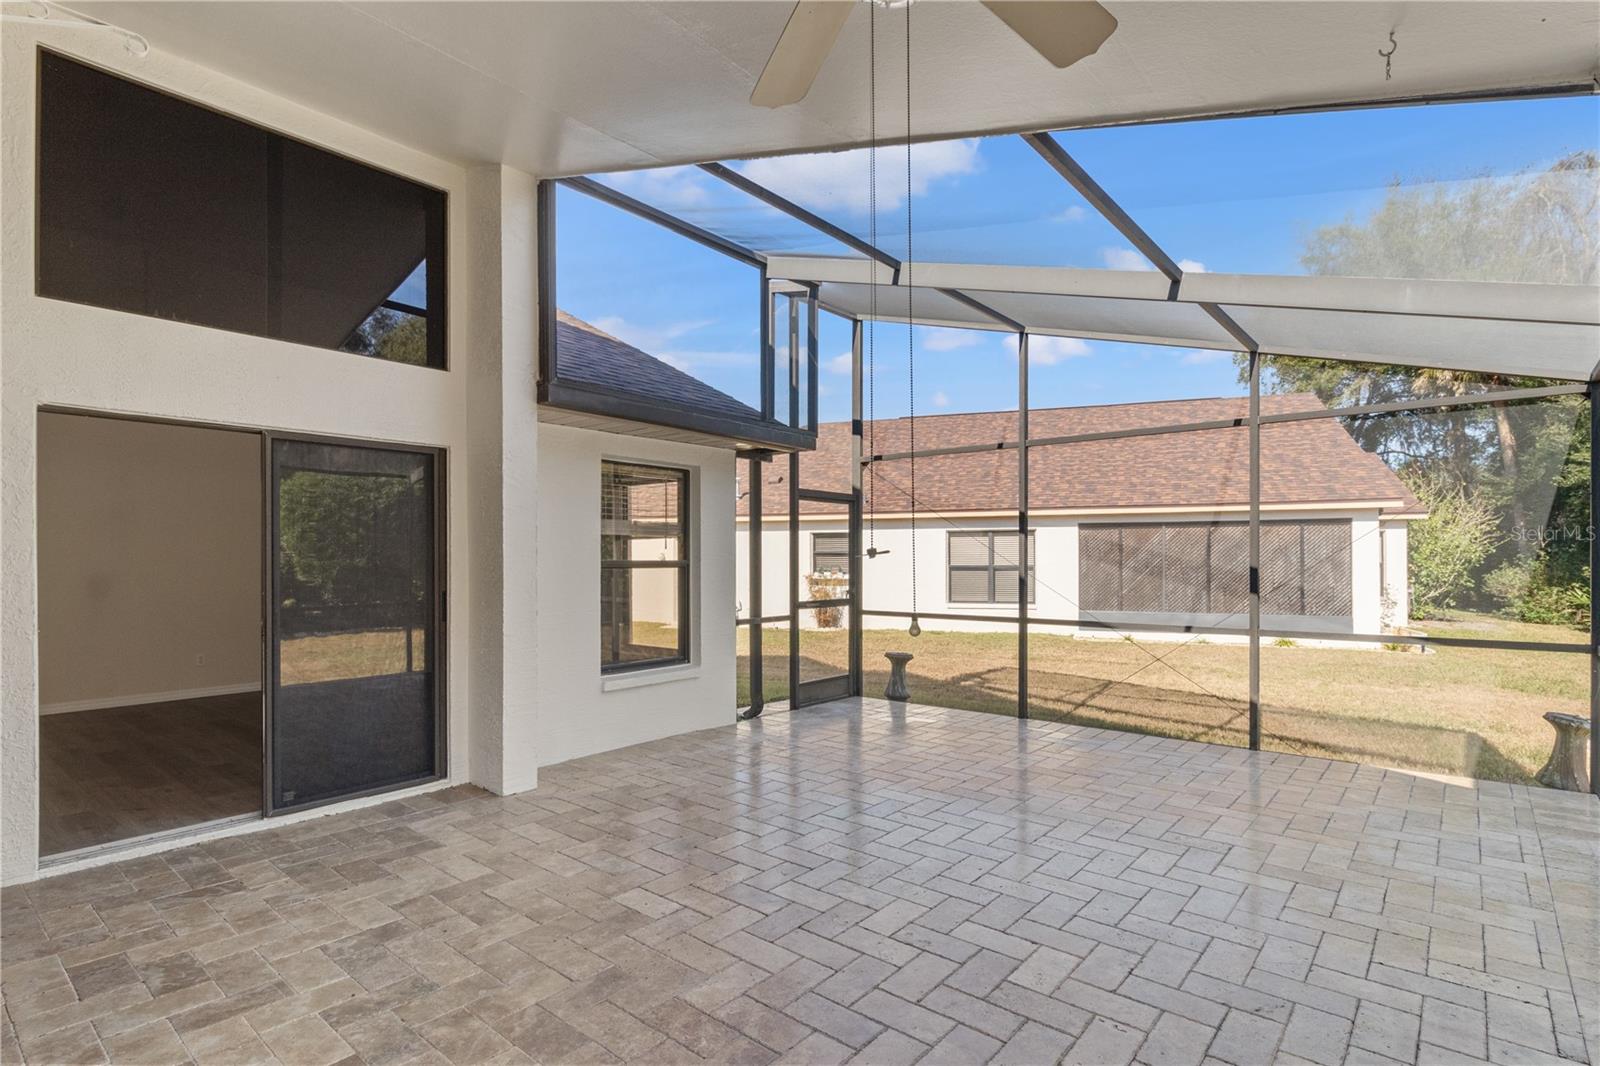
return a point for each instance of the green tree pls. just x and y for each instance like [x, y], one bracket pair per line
[1528, 463]
[392, 335]
[347, 539]
[1449, 549]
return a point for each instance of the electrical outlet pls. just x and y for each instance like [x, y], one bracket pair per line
[200, 660]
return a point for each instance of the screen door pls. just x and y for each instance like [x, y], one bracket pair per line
[354, 701]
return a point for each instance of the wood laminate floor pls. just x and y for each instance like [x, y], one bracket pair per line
[128, 771]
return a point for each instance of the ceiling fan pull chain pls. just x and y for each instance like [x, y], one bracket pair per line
[872, 295]
[911, 340]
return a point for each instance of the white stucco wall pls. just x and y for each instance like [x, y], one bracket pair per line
[501, 477]
[584, 711]
[90, 358]
[886, 580]
[1396, 574]
[522, 500]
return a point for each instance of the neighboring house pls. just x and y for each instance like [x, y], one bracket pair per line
[1150, 529]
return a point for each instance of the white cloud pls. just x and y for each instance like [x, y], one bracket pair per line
[948, 338]
[1075, 213]
[941, 399]
[1048, 351]
[1128, 259]
[1124, 259]
[1202, 356]
[839, 364]
[650, 338]
[839, 180]
[661, 342]
[691, 359]
[674, 188]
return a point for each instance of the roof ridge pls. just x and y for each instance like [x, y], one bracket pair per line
[1088, 407]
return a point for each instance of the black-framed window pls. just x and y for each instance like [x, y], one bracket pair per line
[983, 566]
[1204, 568]
[644, 566]
[830, 553]
[157, 206]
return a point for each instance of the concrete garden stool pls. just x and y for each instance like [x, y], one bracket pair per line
[896, 689]
[1568, 765]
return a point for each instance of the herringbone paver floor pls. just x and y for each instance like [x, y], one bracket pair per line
[848, 883]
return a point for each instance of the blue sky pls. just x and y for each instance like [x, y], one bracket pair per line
[1235, 195]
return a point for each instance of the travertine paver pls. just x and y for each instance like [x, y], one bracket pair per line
[847, 883]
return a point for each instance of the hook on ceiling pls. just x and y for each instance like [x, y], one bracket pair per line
[1388, 57]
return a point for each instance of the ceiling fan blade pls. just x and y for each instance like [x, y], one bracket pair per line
[806, 41]
[1063, 31]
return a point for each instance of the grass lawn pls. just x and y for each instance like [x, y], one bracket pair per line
[1460, 711]
[369, 653]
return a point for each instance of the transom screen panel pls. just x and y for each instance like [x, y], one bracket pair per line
[156, 206]
[354, 702]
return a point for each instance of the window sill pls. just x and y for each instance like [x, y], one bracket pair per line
[997, 608]
[660, 675]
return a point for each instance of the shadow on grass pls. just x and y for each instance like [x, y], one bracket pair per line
[1161, 710]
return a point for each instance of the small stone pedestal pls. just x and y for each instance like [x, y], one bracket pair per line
[1568, 765]
[896, 689]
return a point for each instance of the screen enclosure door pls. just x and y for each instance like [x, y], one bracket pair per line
[823, 652]
[354, 702]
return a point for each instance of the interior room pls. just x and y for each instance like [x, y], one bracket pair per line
[149, 628]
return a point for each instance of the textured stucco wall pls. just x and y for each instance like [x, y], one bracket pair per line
[886, 580]
[581, 711]
[502, 446]
[89, 358]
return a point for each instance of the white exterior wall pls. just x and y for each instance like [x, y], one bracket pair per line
[1396, 575]
[585, 711]
[505, 716]
[886, 580]
[1366, 570]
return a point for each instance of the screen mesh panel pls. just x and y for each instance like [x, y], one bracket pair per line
[1280, 568]
[1184, 584]
[1194, 568]
[354, 706]
[156, 206]
[1142, 550]
[1229, 575]
[1099, 568]
[1326, 586]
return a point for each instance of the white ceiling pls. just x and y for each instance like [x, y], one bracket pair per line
[564, 87]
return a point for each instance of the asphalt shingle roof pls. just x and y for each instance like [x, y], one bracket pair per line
[1309, 462]
[591, 356]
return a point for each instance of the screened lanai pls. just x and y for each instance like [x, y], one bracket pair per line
[1410, 427]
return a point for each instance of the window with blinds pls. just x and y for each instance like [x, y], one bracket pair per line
[1201, 568]
[984, 565]
[830, 553]
[644, 566]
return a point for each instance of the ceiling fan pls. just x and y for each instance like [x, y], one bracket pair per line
[1063, 31]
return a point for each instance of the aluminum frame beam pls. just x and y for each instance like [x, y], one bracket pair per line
[1501, 301]
[698, 234]
[1358, 411]
[794, 210]
[1101, 201]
